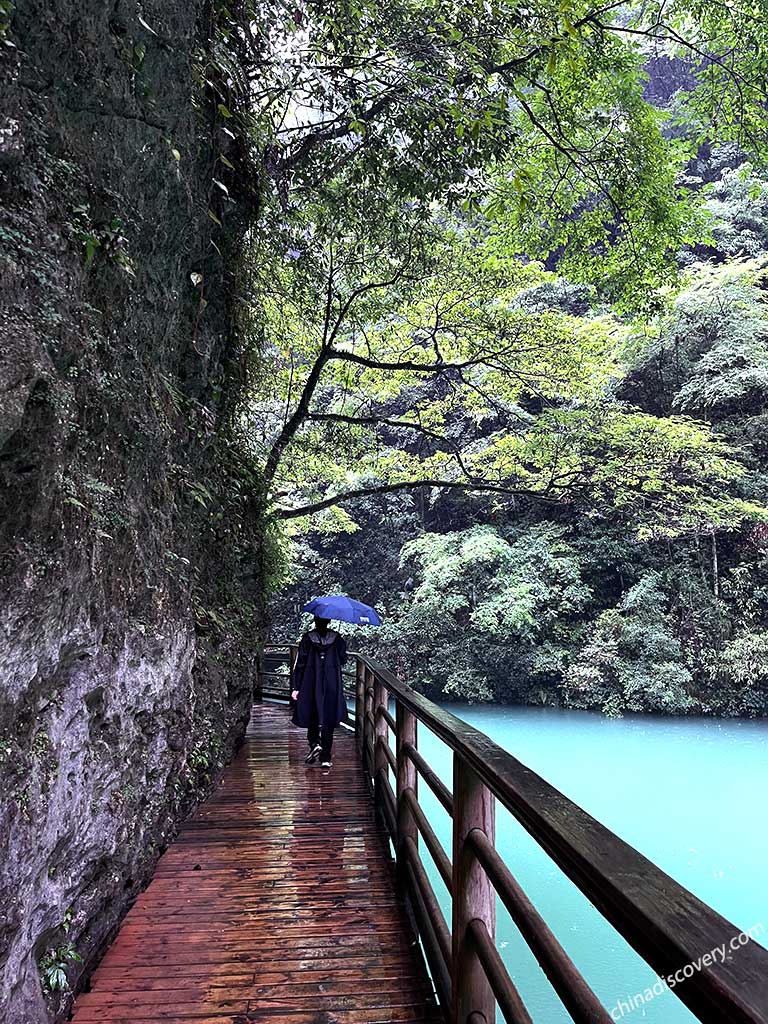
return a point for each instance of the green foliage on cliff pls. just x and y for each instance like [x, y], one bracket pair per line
[632, 659]
[485, 608]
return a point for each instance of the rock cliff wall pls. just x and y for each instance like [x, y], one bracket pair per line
[130, 603]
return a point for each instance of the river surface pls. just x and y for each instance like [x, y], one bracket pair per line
[690, 794]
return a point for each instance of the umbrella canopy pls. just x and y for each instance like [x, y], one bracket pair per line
[343, 609]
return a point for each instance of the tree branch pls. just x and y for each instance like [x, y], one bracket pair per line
[336, 417]
[316, 138]
[538, 51]
[362, 492]
[292, 423]
[408, 364]
[327, 352]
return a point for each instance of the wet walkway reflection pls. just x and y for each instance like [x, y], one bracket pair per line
[275, 904]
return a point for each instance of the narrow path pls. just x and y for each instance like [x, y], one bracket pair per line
[275, 904]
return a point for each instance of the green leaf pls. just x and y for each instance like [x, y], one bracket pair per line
[92, 243]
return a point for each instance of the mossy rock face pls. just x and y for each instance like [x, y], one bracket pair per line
[129, 526]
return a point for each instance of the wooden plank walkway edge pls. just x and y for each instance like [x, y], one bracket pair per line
[276, 903]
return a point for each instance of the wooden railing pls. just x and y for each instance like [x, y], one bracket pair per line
[274, 675]
[665, 923]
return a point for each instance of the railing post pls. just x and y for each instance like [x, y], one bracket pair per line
[473, 895]
[407, 778]
[360, 705]
[258, 688]
[367, 715]
[380, 732]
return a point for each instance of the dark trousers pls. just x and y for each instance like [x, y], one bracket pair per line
[322, 736]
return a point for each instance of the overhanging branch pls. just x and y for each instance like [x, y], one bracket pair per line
[364, 492]
[327, 352]
[384, 421]
[396, 424]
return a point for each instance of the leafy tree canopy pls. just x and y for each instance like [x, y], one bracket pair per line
[420, 361]
[565, 602]
[412, 159]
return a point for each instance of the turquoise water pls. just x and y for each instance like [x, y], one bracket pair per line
[688, 793]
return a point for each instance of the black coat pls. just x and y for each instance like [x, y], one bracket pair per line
[317, 677]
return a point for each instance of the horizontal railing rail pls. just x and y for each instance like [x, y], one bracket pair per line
[666, 924]
[274, 674]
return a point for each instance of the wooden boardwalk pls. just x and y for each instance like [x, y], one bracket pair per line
[275, 905]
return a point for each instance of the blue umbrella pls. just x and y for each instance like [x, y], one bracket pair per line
[343, 609]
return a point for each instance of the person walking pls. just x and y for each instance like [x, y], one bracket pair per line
[318, 689]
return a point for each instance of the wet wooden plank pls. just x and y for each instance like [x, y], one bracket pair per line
[280, 1016]
[277, 903]
[142, 978]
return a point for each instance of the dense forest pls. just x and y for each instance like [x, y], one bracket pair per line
[640, 584]
[458, 308]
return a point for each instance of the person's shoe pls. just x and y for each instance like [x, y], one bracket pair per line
[314, 753]
[327, 764]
